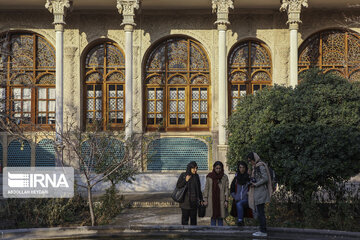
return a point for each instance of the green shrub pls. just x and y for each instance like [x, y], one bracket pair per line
[309, 135]
[43, 212]
[110, 205]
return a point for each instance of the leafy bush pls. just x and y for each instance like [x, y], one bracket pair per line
[51, 212]
[110, 205]
[338, 210]
[309, 135]
[43, 212]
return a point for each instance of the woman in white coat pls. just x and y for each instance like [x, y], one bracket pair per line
[216, 194]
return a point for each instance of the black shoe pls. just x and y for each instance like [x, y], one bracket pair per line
[240, 223]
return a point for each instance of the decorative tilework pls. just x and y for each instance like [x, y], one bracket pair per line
[19, 154]
[176, 153]
[45, 153]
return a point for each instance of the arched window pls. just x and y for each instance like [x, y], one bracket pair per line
[177, 86]
[104, 89]
[249, 70]
[27, 78]
[336, 51]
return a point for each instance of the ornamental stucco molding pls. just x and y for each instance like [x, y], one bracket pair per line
[127, 9]
[221, 7]
[59, 8]
[293, 9]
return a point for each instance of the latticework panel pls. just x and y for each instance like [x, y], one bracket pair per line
[28, 62]
[176, 153]
[110, 151]
[105, 84]
[19, 154]
[335, 51]
[173, 67]
[250, 70]
[45, 153]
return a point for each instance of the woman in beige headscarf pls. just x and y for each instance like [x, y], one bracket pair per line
[260, 190]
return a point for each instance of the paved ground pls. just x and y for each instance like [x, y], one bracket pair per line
[163, 222]
[153, 216]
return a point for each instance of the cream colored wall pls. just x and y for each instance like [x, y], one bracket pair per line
[85, 28]
[326, 20]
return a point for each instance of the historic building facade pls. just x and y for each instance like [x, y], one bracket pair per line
[177, 67]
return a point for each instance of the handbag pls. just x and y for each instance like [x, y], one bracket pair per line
[201, 210]
[178, 194]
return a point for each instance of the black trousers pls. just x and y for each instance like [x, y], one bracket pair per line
[261, 216]
[188, 213]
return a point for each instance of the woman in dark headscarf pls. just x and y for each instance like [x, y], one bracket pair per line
[239, 191]
[216, 194]
[193, 194]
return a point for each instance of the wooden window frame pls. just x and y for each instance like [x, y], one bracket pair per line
[105, 123]
[250, 83]
[165, 85]
[35, 74]
[343, 68]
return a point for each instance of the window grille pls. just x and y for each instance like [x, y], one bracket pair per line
[334, 51]
[176, 71]
[104, 88]
[250, 70]
[28, 79]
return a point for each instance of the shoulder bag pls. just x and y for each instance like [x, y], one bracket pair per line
[178, 194]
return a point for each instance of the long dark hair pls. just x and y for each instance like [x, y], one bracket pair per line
[242, 178]
[243, 163]
[220, 164]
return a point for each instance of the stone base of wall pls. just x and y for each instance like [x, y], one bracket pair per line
[146, 182]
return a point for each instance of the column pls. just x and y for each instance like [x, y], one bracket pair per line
[293, 9]
[221, 7]
[127, 10]
[59, 9]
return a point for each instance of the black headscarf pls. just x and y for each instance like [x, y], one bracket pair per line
[190, 165]
[244, 178]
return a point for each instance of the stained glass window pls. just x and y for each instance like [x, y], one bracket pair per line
[104, 89]
[335, 51]
[177, 86]
[249, 70]
[27, 72]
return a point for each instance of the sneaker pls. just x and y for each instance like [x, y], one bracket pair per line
[259, 234]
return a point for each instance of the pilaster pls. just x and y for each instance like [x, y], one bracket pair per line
[293, 9]
[127, 9]
[59, 9]
[221, 7]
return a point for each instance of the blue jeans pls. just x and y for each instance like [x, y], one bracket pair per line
[240, 206]
[219, 220]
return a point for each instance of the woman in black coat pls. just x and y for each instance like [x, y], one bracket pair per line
[192, 195]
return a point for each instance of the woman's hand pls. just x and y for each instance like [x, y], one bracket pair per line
[226, 204]
[187, 178]
[205, 203]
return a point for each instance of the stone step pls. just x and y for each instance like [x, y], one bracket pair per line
[141, 204]
[149, 200]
